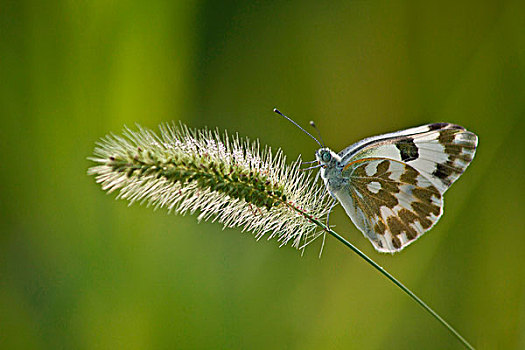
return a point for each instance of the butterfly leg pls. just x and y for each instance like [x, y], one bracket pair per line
[327, 224]
[317, 178]
[334, 203]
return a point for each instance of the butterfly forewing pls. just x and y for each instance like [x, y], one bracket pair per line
[441, 151]
[390, 202]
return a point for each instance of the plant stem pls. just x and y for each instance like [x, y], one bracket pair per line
[393, 279]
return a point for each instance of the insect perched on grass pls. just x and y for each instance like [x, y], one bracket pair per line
[392, 185]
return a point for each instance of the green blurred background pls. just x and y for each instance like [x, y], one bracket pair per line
[79, 270]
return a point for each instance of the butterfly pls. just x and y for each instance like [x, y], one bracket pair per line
[392, 185]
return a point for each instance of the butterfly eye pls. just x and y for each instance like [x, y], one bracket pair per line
[326, 157]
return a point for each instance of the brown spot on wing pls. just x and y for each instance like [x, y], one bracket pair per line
[423, 213]
[395, 225]
[409, 176]
[438, 126]
[442, 172]
[407, 149]
[408, 217]
[425, 194]
[380, 227]
[382, 168]
[398, 225]
[396, 242]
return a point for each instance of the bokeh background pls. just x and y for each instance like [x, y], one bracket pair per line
[79, 270]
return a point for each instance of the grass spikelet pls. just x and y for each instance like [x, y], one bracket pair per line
[222, 178]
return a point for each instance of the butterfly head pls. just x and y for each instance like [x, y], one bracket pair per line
[326, 157]
[330, 164]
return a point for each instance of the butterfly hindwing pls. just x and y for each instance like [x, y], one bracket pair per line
[441, 151]
[390, 201]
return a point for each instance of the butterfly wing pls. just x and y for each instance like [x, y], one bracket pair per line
[389, 201]
[441, 151]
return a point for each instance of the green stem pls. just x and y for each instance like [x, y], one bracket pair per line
[394, 280]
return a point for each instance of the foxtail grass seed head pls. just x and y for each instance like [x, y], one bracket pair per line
[220, 177]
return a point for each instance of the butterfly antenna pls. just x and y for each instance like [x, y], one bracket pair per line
[294, 123]
[312, 124]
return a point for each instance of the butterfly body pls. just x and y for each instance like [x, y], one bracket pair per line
[392, 185]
